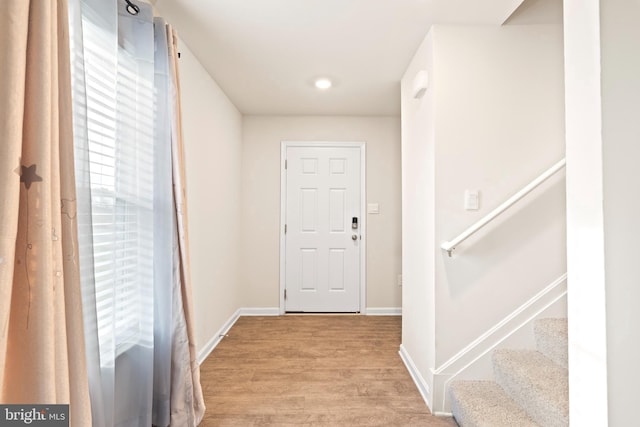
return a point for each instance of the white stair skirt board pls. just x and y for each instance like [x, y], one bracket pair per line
[419, 381]
[478, 353]
[215, 340]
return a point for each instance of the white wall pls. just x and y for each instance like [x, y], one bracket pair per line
[585, 234]
[212, 129]
[493, 122]
[260, 216]
[418, 218]
[500, 123]
[602, 45]
[620, 44]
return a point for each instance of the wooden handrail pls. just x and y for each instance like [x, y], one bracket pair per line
[451, 244]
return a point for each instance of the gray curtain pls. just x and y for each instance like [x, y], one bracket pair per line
[140, 347]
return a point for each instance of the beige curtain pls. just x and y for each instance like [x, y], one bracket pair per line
[187, 401]
[42, 358]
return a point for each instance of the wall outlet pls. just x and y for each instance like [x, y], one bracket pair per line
[399, 279]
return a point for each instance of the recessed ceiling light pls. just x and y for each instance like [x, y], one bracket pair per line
[323, 84]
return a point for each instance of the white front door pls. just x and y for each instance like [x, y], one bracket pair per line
[323, 229]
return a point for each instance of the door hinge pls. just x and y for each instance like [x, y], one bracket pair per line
[285, 163]
[285, 294]
[285, 229]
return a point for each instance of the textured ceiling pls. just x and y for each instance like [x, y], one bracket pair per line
[265, 54]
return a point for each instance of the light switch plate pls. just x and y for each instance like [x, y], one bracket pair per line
[373, 208]
[472, 200]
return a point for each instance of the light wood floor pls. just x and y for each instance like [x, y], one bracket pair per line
[312, 371]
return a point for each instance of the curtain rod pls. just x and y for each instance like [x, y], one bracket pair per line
[133, 9]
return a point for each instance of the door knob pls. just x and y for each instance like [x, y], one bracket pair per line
[354, 237]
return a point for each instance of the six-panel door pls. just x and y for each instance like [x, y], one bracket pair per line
[322, 246]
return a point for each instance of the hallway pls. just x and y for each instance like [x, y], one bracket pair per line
[312, 370]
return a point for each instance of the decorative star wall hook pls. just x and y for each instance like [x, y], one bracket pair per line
[28, 175]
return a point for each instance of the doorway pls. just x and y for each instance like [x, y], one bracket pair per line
[322, 239]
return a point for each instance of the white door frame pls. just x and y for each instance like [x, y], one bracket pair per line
[363, 213]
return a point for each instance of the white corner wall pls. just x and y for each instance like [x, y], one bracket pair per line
[492, 120]
[418, 221]
[620, 44]
[585, 216]
[212, 130]
[260, 215]
[602, 57]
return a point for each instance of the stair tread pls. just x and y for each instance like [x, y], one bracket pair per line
[552, 339]
[535, 382]
[554, 326]
[485, 404]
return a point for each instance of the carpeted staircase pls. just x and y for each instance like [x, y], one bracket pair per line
[530, 387]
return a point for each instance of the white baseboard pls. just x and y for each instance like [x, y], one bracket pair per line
[215, 340]
[271, 311]
[259, 311]
[421, 384]
[383, 311]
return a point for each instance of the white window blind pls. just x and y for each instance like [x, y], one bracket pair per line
[119, 131]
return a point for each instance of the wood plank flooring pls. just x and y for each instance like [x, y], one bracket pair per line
[312, 371]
